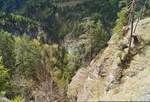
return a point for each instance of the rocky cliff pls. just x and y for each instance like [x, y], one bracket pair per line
[114, 75]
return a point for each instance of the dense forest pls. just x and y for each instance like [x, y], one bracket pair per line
[43, 43]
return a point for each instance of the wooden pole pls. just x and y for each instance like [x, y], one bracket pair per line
[132, 13]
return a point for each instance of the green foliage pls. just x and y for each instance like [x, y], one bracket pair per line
[70, 28]
[26, 55]
[97, 35]
[141, 11]
[86, 24]
[5, 4]
[3, 76]
[6, 49]
[146, 7]
[36, 61]
[122, 20]
[17, 23]
[18, 99]
[89, 43]
[73, 63]
[98, 9]
[39, 10]
[59, 20]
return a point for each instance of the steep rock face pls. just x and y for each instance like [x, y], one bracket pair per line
[115, 75]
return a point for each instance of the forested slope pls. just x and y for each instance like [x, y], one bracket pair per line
[43, 43]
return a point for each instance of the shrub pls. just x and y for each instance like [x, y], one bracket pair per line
[122, 20]
[3, 76]
[18, 99]
[6, 49]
